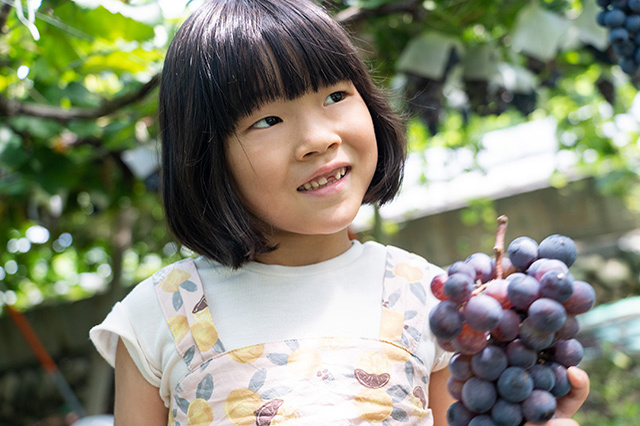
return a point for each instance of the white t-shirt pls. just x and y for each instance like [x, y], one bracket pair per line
[260, 303]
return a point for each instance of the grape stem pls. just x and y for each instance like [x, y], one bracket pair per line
[498, 249]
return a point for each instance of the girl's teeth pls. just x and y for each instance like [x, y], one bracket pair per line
[323, 181]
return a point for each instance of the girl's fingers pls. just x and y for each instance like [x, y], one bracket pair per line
[571, 402]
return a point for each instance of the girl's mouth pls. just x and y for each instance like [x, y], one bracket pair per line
[323, 181]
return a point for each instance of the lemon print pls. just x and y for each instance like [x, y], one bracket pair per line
[417, 407]
[396, 354]
[248, 354]
[171, 421]
[304, 362]
[199, 413]
[241, 405]
[179, 327]
[392, 324]
[172, 281]
[373, 405]
[374, 363]
[205, 335]
[204, 332]
[408, 272]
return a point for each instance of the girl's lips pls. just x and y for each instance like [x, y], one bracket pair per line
[322, 181]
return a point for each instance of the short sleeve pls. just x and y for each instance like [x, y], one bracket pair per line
[135, 320]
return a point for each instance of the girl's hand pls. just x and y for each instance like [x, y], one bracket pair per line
[571, 402]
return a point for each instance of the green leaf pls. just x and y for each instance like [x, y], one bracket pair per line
[100, 23]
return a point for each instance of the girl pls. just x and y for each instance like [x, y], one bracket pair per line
[273, 136]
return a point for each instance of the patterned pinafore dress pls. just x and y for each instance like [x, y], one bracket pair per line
[310, 381]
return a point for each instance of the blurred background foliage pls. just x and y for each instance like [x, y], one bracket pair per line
[79, 213]
[78, 129]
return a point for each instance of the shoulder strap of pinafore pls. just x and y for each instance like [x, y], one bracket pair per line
[181, 296]
[404, 299]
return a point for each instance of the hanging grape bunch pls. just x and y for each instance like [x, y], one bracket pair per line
[622, 19]
[511, 322]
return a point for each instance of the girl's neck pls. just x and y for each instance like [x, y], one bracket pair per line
[301, 250]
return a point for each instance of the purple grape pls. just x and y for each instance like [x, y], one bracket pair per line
[582, 299]
[567, 352]
[446, 344]
[619, 4]
[482, 312]
[522, 252]
[519, 355]
[454, 386]
[617, 35]
[470, 341]
[482, 420]
[547, 315]
[603, 3]
[523, 291]
[534, 338]
[478, 395]
[458, 415]
[614, 18]
[600, 17]
[460, 367]
[569, 329]
[543, 377]
[628, 65]
[508, 327]
[557, 285]
[445, 320]
[539, 407]
[498, 290]
[461, 267]
[542, 266]
[634, 5]
[558, 247]
[507, 267]
[489, 363]
[481, 264]
[632, 24]
[458, 288]
[624, 48]
[505, 413]
[562, 385]
[514, 384]
[437, 286]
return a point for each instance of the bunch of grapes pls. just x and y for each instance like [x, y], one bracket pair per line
[622, 19]
[511, 322]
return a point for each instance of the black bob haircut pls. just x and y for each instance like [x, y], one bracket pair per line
[227, 59]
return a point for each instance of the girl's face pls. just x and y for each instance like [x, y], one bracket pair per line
[303, 166]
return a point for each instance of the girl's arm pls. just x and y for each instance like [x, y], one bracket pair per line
[137, 402]
[439, 398]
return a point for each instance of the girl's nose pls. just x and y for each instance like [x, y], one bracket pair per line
[316, 139]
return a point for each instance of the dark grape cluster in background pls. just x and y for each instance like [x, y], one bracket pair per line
[513, 331]
[622, 19]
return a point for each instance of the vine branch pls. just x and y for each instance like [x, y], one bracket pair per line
[10, 108]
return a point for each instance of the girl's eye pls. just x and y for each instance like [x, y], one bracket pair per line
[335, 98]
[267, 122]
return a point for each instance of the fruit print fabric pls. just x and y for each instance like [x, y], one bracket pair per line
[330, 380]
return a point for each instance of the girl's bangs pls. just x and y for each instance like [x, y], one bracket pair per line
[284, 61]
